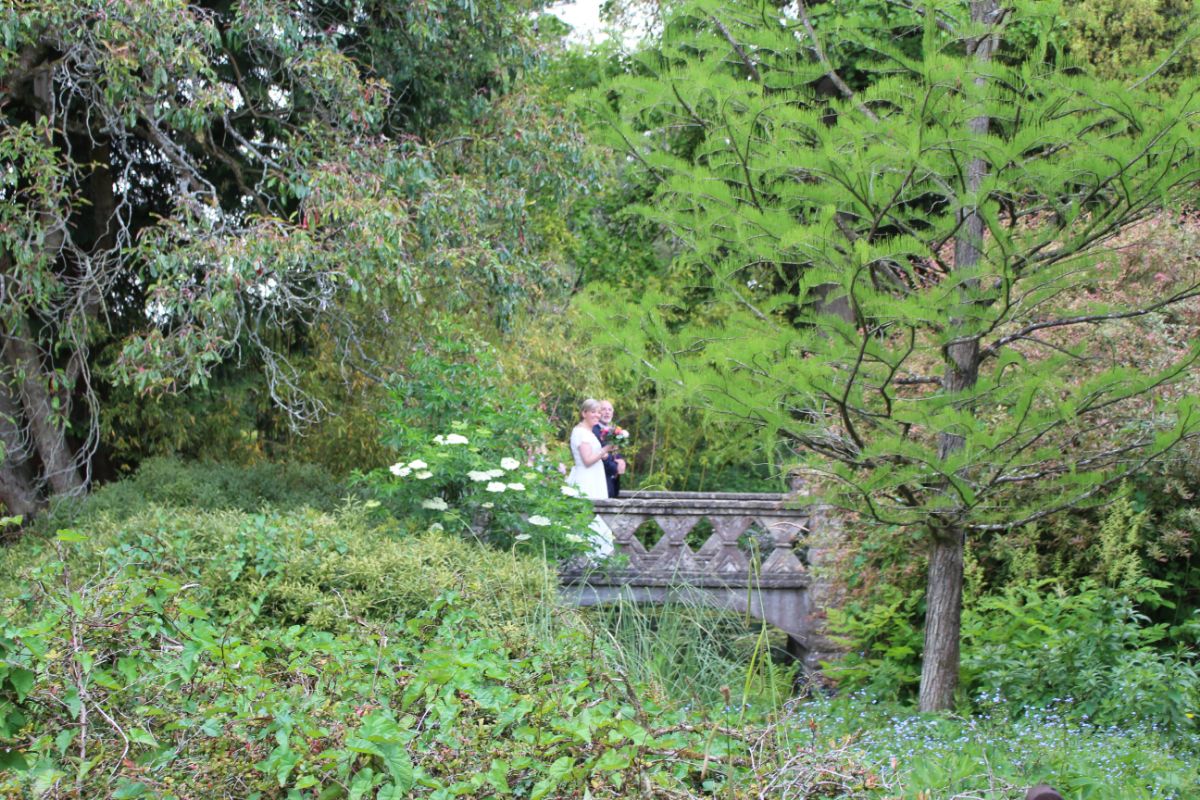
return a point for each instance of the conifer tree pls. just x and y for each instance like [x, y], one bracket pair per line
[896, 229]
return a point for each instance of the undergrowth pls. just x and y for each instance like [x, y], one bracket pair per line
[163, 651]
[179, 654]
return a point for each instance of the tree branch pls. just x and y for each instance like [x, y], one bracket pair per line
[831, 73]
[994, 348]
[737, 48]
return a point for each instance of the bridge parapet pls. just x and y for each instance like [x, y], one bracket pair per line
[754, 535]
[756, 561]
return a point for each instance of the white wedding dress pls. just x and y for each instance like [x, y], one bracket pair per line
[591, 484]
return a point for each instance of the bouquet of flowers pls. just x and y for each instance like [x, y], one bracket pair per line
[614, 435]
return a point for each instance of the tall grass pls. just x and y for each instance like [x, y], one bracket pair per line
[696, 655]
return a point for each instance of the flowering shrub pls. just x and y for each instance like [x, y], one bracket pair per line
[474, 482]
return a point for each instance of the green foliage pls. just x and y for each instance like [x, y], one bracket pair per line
[883, 644]
[173, 670]
[1136, 39]
[170, 482]
[460, 381]
[1033, 646]
[765, 220]
[482, 484]
[992, 755]
[891, 278]
[1119, 547]
[330, 571]
[337, 175]
[472, 456]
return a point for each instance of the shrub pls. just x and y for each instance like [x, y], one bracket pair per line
[1036, 646]
[167, 481]
[883, 641]
[332, 571]
[479, 484]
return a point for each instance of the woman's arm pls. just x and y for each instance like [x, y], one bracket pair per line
[589, 457]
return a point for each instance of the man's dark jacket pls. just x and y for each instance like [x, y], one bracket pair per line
[611, 475]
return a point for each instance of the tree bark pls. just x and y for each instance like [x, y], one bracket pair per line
[59, 469]
[943, 589]
[943, 621]
[18, 486]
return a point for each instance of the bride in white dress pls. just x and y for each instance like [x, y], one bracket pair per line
[588, 472]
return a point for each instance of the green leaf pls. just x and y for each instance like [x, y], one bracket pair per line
[497, 776]
[22, 681]
[398, 763]
[71, 536]
[615, 759]
[142, 736]
[63, 740]
[130, 789]
[12, 760]
[363, 782]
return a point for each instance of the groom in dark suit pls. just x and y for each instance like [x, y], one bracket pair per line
[614, 465]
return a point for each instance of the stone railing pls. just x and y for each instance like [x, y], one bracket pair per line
[758, 558]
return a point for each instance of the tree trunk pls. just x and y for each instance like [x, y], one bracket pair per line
[35, 418]
[46, 424]
[943, 621]
[18, 486]
[943, 589]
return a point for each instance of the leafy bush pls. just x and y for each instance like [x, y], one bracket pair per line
[883, 641]
[332, 572]
[477, 483]
[460, 381]
[1035, 646]
[473, 457]
[209, 485]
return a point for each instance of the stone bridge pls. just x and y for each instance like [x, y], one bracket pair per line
[751, 553]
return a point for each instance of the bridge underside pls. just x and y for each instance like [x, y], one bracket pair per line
[787, 609]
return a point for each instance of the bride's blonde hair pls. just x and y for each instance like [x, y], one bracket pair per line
[590, 404]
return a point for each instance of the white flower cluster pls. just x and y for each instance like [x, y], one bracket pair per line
[419, 467]
[450, 438]
[493, 478]
[498, 486]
